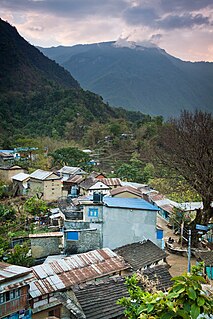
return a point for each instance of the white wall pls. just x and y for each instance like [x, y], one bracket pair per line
[125, 226]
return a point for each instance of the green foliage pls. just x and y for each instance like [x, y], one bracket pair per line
[185, 299]
[4, 190]
[20, 256]
[70, 156]
[135, 170]
[7, 213]
[175, 188]
[35, 206]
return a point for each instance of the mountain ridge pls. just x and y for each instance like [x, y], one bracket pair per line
[139, 78]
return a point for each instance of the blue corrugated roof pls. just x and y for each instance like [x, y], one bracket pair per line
[132, 203]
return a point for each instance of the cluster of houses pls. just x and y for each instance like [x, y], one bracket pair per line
[85, 285]
[107, 229]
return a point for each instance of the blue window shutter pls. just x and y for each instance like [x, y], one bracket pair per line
[72, 235]
[93, 212]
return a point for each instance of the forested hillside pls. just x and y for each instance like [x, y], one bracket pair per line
[140, 78]
[39, 97]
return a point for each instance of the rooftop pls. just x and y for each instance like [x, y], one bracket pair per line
[131, 203]
[42, 175]
[98, 300]
[142, 254]
[50, 234]
[111, 181]
[71, 170]
[21, 177]
[8, 271]
[128, 189]
[206, 256]
[67, 272]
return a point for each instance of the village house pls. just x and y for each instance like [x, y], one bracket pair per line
[14, 291]
[92, 185]
[20, 184]
[142, 255]
[71, 185]
[51, 291]
[97, 175]
[126, 192]
[7, 172]
[47, 185]
[111, 182]
[69, 171]
[99, 300]
[46, 244]
[6, 157]
[109, 222]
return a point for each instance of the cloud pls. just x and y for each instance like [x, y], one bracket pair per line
[175, 25]
[183, 21]
[140, 16]
[185, 5]
[148, 16]
[67, 8]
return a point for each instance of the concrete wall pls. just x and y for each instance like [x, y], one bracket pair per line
[125, 226]
[88, 239]
[36, 186]
[43, 245]
[52, 189]
[86, 210]
[7, 174]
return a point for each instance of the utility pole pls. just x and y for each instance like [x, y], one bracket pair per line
[189, 251]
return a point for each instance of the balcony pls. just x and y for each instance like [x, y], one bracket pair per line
[12, 306]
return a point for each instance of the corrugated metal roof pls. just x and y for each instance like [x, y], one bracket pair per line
[40, 174]
[132, 203]
[75, 179]
[128, 189]
[8, 271]
[111, 181]
[66, 272]
[21, 177]
[71, 170]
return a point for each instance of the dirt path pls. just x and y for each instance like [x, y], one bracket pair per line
[178, 263]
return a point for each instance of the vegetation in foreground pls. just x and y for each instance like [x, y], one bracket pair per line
[186, 299]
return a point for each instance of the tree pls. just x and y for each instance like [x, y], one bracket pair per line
[185, 299]
[35, 206]
[70, 156]
[186, 145]
[7, 213]
[20, 256]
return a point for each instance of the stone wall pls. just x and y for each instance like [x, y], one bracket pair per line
[47, 244]
[88, 239]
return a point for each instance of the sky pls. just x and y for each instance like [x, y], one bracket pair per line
[184, 28]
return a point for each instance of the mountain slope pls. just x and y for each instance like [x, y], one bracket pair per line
[39, 97]
[139, 78]
[24, 68]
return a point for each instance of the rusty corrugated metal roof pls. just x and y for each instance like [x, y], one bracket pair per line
[128, 189]
[64, 273]
[111, 181]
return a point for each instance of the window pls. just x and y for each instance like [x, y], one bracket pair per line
[72, 235]
[2, 298]
[93, 212]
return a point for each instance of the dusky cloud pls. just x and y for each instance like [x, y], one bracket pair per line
[175, 25]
